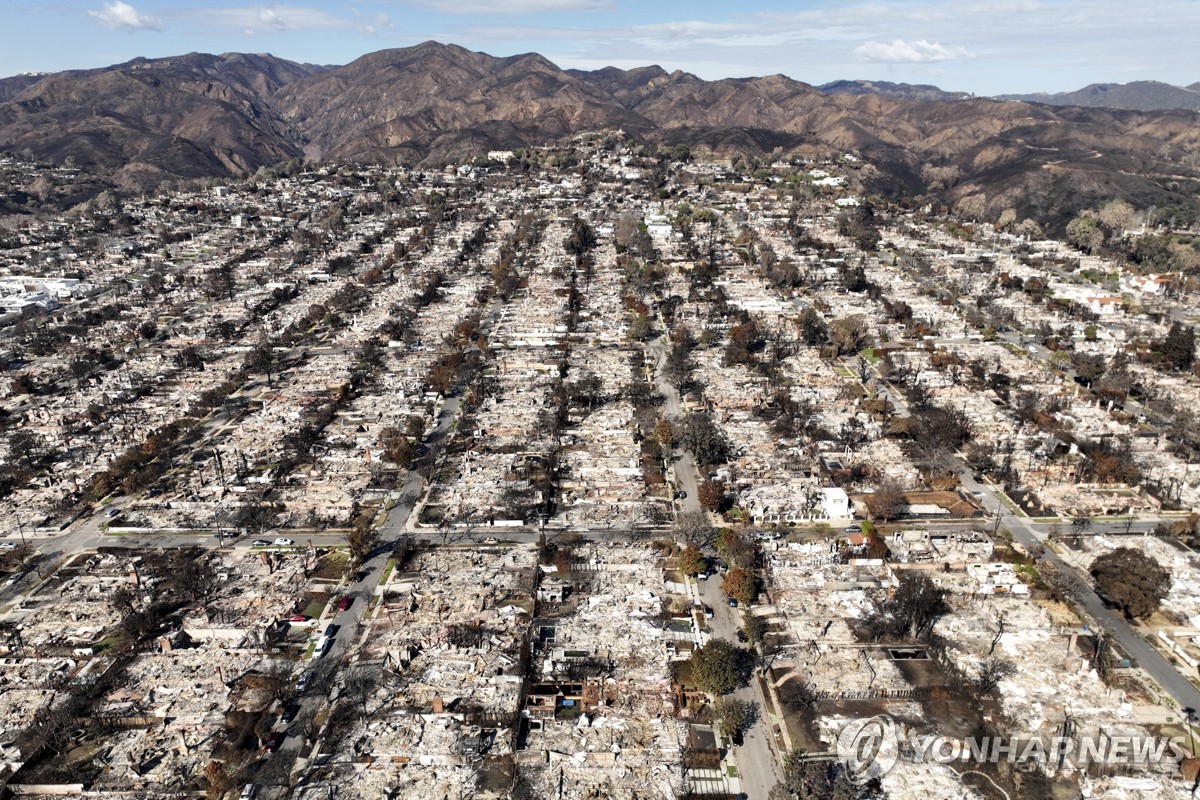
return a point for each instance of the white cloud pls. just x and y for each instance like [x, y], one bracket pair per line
[513, 7]
[268, 19]
[373, 25]
[898, 51]
[123, 17]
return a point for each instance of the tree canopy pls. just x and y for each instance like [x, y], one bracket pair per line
[719, 667]
[1131, 581]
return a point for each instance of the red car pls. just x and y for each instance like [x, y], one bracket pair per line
[275, 742]
[297, 618]
[345, 602]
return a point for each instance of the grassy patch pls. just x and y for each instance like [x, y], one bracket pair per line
[107, 643]
[731, 771]
[332, 565]
[387, 570]
[315, 607]
[1031, 576]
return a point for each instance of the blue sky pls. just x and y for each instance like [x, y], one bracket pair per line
[967, 45]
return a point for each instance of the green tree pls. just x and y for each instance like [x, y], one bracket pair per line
[1085, 233]
[1179, 348]
[581, 240]
[1131, 581]
[736, 717]
[755, 626]
[700, 436]
[849, 334]
[720, 667]
[1088, 366]
[812, 327]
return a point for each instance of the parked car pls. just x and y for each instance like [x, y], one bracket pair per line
[708, 612]
[302, 683]
[275, 742]
[854, 529]
[741, 635]
[345, 602]
[733, 602]
[681, 495]
[491, 540]
[332, 630]
[260, 543]
[8, 546]
[249, 792]
[298, 618]
[112, 512]
[701, 576]
[283, 541]
[289, 712]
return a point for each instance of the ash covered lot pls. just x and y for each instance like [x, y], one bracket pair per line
[585, 471]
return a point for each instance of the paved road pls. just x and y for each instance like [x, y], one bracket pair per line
[683, 465]
[1031, 534]
[758, 766]
[757, 763]
[1127, 638]
[392, 533]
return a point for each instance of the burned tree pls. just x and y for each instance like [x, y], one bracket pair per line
[909, 611]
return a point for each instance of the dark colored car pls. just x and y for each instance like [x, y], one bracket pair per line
[275, 742]
[289, 712]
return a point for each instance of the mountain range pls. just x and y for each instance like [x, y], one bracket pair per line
[896, 91]
[152, 120]
[1135, 96]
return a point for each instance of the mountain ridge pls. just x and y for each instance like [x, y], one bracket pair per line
[1132, 96]
[898, 91]
[152, 120]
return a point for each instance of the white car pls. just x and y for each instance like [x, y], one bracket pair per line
[8, 545]
[249, 791]
[283, 542]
